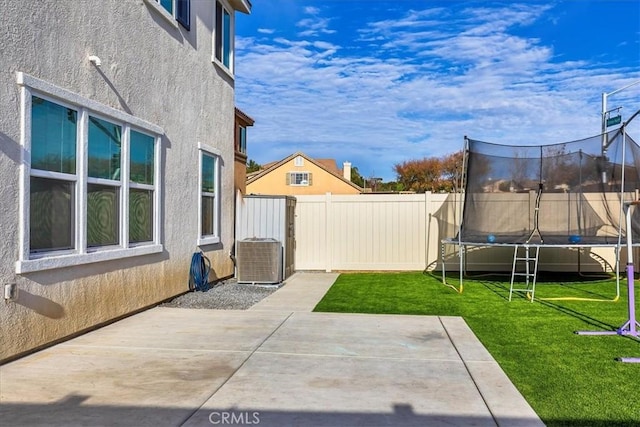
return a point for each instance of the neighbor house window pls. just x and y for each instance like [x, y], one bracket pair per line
[90, 180]
[209, 196]
[242, 139]
[299, 178]
[223, 36]
[180, 10]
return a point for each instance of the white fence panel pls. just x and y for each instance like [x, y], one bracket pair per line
[377, 232]
[262, 217]
[367, 231]
[311, 233]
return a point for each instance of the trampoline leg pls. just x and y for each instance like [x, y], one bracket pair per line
[444, 273]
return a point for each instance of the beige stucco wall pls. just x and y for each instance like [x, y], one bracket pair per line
[153, 70]
[323, 182]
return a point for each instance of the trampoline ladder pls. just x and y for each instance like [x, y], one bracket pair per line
[530, 271]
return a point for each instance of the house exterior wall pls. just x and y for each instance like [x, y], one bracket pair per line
[240, 172]
[154, 70]
[323, 182]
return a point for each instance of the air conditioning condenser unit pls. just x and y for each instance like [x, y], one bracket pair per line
[259, 261]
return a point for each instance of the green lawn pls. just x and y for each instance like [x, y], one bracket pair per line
[568, 379]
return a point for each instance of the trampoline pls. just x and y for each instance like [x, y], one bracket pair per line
[531, 197]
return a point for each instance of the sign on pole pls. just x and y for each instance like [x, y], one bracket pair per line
[615, 120]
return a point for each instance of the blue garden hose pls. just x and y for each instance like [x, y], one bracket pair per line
[199, 274]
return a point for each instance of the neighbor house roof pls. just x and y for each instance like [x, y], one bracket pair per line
[328, 165]
[242, 116]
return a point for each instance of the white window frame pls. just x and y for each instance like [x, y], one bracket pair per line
[213, 239]
[305, 182]
[232, 22]
[242, 139]
[119, 184]
[298, 161]
[148, 187]
[81, 254]
[174, 17]
[169, 17]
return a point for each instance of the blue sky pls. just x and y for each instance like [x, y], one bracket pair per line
[380, 82]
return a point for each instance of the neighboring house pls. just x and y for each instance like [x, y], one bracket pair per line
[116, 161]
[299, 174]
[242, 123]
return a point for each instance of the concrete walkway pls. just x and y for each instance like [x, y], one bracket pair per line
[277, 364]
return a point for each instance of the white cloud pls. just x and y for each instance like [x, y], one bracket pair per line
[311, 10]
[315, 25]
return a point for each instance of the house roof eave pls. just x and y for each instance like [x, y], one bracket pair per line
[244, 117]
[243, 6]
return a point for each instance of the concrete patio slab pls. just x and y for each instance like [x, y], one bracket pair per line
[170, 328]
[301, 292]
[383, 336]
[349, 391]
[500, 395]
[464, 340]
[272, 366]
[77, 385]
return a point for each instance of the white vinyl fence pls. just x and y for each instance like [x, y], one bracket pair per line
[367, 231]
[400, 232]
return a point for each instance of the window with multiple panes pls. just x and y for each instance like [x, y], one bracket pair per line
[223, 36]
[180, 10]
[91, 182]
[299, 178]
[209, 195]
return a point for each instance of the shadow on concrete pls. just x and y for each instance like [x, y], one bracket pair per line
[74, 410]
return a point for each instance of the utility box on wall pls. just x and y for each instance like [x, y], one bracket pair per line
[259, 261]
[268, 217]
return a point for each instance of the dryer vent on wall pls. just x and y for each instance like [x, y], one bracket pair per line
[259, 261]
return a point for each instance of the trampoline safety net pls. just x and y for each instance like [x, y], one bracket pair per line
[559, 194]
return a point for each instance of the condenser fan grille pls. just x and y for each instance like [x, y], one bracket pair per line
[259, 261]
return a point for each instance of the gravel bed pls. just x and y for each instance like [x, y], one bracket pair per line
[225, 295]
